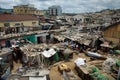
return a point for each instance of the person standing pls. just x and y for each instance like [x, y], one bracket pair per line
[98, 42]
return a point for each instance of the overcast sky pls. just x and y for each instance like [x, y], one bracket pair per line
[68, 6]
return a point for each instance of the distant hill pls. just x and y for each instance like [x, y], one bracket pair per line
[70, 14]
[2, 10]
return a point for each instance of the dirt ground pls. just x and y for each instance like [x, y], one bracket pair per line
[55, 74]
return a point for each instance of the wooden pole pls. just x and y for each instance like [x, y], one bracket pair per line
[118, 77]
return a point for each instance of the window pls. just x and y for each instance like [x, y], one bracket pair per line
[21, 24]
[25, 11]
[21, 10]
[80, 19]
[17, 10]
[33, 23]
[17, 24]
[6, 24]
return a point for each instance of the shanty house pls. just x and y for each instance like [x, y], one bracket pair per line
[112, 32]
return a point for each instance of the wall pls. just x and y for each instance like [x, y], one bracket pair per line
[23, 10]
[114, 40]
[28, 10]
[31, 38]
[43, 36]
[1, 24]
[113, 33]
[40, 12]
[25, 23]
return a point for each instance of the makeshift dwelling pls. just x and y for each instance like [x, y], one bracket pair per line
[49, 53]
[87, 72]
[5, 53]
[5, 68]
[30, 38]
[112, 32]
[20, 77]
[41, 38]
[46, 26]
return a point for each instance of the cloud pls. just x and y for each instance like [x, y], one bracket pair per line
[72, 6]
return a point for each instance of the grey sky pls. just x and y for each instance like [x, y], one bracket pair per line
[68, 6]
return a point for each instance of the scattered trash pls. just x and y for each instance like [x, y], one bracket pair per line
[79, 61]
[107, 65]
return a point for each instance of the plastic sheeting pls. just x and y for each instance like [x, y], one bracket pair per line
[79, 61]
[1, 58]
[107, 65]
[49, 53]
[6, 74]
[93, 54]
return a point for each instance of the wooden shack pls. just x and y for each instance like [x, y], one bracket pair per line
[112, 32]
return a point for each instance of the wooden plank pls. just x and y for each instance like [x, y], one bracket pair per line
[118, 77]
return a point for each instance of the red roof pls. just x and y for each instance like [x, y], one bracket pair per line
[15, 17]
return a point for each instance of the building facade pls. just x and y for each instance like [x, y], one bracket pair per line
[28, 9]
[112, 32]
[66, 17]
[55, 10]
[82, 18]
[40, 12]
[24, 9]
[16, 22]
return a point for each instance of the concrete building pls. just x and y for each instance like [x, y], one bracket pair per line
[55, 10]
[66, 17]
[24, 9]
[40, 12]
[28, 9]
[17, 22]
[82, 19]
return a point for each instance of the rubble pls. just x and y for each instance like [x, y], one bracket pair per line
[73, 57]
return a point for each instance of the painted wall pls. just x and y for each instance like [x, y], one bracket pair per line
[30, 38]
[23, 9]
[25, 23]
[1, 24]
[28, 10]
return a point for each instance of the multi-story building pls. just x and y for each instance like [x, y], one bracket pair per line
[55, 10]
[24, 9]
[40, 12]
[82, 19]
[28, 9]
[17, 23]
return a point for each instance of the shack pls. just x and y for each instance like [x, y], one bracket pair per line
[112, 32]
